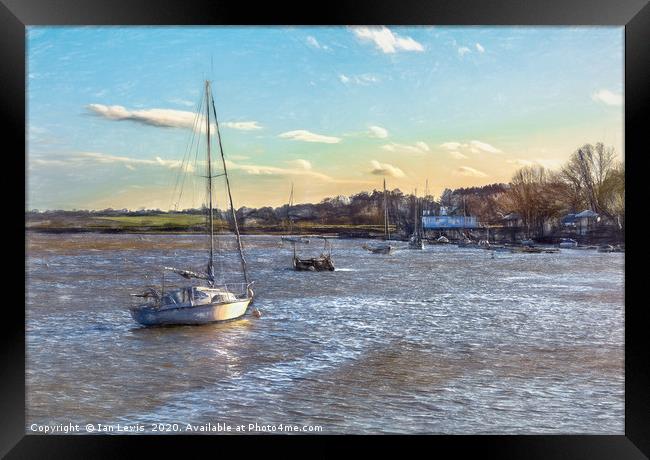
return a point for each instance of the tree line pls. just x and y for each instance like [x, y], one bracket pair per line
[592, 179]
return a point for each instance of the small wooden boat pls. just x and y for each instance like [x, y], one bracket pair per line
[378, 248]
[535, 250]
[610, 248]
[568, 243]
[467, 243]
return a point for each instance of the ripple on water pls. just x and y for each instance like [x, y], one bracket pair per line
[443, 340]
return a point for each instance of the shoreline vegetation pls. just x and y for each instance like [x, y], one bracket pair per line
[538, 203]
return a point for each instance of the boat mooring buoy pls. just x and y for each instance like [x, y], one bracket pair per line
[257, 313]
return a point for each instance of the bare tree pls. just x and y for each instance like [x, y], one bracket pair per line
[588, 175]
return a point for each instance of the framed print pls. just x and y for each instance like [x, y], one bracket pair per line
[380, 219]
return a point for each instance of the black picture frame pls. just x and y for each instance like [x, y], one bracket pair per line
[15, 15]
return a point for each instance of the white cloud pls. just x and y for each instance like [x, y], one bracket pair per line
[166, 118]
[363, 79]
[422, 146]
[378, 131]
[469, 172]
[417, 147]
[480, 48]
[385, 40]
[128, 162]
[471, 146]
[311, 41]
[477, 146]
[307, 136]
[457, 155]
[184, 102]
[548, 163]
[607, 97]
[300, 163]
[303, 168]
[385, 169]
[450, 145]
[242, 125]
[463, 50]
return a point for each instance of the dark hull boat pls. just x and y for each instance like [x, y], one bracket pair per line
[322, 263]
[380, 249]
[315, 264]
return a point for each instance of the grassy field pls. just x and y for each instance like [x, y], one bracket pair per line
[159, 220]
[176, 223]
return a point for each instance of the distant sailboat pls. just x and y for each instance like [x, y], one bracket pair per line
[321, 263]
[289, 237]
[415, 242]
[383, 248]
[210, 301]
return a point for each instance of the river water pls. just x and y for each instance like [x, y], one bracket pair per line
[445, 340]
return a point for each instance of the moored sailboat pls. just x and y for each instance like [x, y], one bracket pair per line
[382, 248]
[415, 242]
[210, 301]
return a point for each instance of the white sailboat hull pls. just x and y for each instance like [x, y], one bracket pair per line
[196, 314]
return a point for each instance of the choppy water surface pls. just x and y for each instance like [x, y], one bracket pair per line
[444, 340]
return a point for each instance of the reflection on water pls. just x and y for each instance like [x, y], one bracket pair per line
[444, 340]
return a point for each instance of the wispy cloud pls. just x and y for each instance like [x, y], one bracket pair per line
[385, 169]
[480, 48]
[301, 168]
[183, 102]
[469, 172]
[165, 118]
[548, 163]
[463, 50]
[307, 136]
[385, 40]
[242, 125]
[471, 146]
[608, 97]
[311, 41]
[104, 158]
[363, 79]
[417, 147]
[300, 163]
[378, 131]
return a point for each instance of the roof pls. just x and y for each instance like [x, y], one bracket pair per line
[512, 216]
[587, 213]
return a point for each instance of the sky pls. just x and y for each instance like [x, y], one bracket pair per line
[333, 110]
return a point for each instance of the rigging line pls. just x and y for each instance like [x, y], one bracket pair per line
[232, 209]
[180, 177]
[182, 170]
[186, 158]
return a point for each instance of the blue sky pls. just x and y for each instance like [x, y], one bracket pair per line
[332, 109]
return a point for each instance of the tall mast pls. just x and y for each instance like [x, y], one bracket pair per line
[290, 222]
[209, 177]
[386, 231]
[415, 213]
[232, 208]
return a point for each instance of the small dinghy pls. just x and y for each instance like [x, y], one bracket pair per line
[568, 243]
[378, 248]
